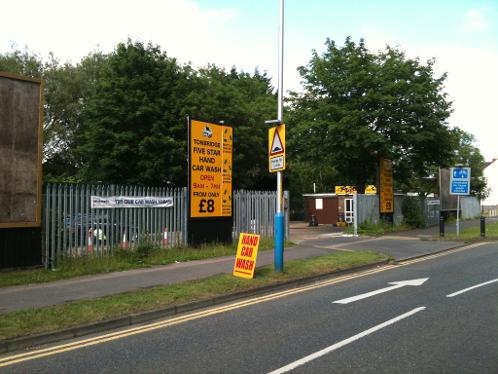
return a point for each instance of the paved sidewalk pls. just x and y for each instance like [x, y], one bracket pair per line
[312, 242]
[449, 228]
[401, 245]
[45, 294]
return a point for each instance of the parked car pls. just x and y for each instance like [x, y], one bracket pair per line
[101, 226]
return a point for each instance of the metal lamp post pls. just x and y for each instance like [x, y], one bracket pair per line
[279, 215]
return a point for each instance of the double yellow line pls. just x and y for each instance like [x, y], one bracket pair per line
[18, 358]
[174, 321]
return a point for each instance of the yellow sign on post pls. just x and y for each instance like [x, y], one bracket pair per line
[345, 190]
[386, 186]
[276, 148]
[247, 252]
[370, 190]
[210, 170]
[351, 190]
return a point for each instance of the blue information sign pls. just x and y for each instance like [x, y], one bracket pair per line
[460, 181]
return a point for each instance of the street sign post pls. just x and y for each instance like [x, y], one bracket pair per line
[460, 181]
[459, 185]
[276, 148]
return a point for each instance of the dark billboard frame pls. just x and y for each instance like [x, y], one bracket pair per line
[39, 180]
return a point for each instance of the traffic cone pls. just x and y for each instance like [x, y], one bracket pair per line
[165, 237]
[90, 240]
[124, 243]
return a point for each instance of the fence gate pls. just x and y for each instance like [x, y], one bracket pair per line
[431, 210]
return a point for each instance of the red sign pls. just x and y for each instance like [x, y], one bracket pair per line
[247, 252]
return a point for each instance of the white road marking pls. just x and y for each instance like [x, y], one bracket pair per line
[344, 342]
[471, 288]
[395, 285]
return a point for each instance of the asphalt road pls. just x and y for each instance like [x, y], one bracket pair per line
[406, 329]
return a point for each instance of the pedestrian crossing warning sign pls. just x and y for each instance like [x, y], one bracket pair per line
[276, 145]
[276, 148]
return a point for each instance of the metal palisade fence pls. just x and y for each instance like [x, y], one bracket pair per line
[254, 212]
[72, 228]
[368, 209]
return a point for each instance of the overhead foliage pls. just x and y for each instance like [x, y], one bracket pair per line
[22, 63]
[67, 89]
[358, 106]
[244, 101]
[121, 118]
[135, 124]
[130, 130]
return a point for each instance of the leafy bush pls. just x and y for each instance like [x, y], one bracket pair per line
[412, 213]
[372, 229]
[146, 250]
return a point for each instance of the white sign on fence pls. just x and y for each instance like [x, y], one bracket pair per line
[433, 202]
[104, 202]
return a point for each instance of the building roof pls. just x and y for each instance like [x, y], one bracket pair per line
[487, 163]
[319, 195]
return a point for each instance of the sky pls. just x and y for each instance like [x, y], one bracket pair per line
[462, 35]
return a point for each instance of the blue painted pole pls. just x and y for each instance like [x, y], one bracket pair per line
[279, 242]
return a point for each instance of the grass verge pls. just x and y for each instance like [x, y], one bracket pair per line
[371, 229]
[32, 321]
[144, 256]
[473, 234]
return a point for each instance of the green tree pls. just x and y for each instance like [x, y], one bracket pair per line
[412, 212]
[120, 117]
[67, 88]
[133, 130]
[67, 91]
[358, 107]
[23, 63]
[244, 101]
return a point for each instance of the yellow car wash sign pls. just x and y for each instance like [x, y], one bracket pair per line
[386, 186]
[345, 190]
[276, 148]
[370, 190]
[210, 162]
[247, 251]
[351, 190]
